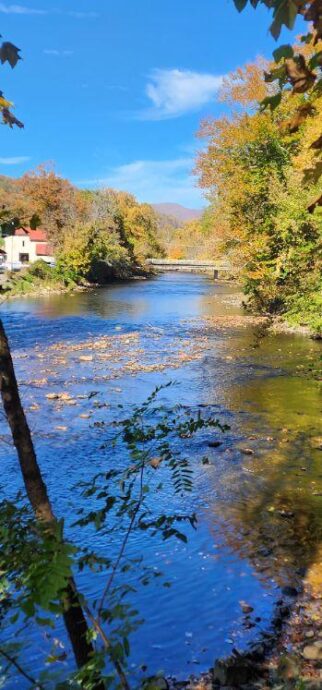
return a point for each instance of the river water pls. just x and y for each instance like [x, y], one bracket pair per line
[258, 501]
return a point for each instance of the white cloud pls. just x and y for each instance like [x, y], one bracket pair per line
[14, 160]
[155, 181]
[58, 53]
[19, 9]
[176, 92]
[22, 9]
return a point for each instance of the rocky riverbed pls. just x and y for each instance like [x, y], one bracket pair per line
[86, 358]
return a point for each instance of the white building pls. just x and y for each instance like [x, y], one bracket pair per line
[27, 246]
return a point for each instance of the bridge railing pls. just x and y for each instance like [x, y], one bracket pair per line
[216, 265]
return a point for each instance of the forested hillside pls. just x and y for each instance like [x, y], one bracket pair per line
[95, 234]
[191, 239]
[180, 213]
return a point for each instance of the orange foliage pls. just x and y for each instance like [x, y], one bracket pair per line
[245, 86]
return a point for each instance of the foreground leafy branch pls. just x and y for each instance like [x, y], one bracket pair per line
[74, 618]
[9, 53]
[298, 71]
[149, 445]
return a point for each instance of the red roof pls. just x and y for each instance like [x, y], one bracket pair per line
[44, 250]
[20, 232]
[37, 235]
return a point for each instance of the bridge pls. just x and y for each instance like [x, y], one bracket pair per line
[217, 269]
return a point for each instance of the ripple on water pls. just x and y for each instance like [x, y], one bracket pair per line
[259, 514]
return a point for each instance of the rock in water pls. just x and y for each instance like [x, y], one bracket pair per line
[246, 608]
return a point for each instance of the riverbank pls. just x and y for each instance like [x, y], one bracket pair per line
[286, 657]
[40, 279]
[264, 325]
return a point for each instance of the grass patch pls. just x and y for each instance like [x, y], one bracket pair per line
[39, 277]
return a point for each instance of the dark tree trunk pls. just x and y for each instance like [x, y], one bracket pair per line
[75, 621]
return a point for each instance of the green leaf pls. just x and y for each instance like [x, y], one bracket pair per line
[276, 74]
[34, 221]
[285, 13]
[117, 652]
[182, 537]
[307, 38]
[284, 51]
[45, 621]
[240, 4]
[318, 88]
[28, 608]
[316, 60]
[126, 646]
[271, 102]
[9, 53]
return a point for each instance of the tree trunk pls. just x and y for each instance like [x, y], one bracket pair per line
[74, 618]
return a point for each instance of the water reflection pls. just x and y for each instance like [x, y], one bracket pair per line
[269, 507]
[260, 512]
[138, 299]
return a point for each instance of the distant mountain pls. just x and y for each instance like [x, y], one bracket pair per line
[180, 213]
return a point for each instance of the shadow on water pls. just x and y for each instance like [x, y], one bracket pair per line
[269, 507]
[273, 513]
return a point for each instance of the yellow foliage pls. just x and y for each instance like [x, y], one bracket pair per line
[245, 86]
[252, 169]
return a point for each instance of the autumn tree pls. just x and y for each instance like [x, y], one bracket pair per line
[192, 240]
[140, 226]
[85, 245]
[252, 171]
[51, 197]
[297, 71]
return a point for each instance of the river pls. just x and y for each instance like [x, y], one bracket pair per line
[258, 501]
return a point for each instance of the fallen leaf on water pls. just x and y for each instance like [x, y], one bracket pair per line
[155, 462]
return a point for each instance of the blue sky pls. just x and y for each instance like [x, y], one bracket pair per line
[112, 91]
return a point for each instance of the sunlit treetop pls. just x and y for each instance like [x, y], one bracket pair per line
[296, 70]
